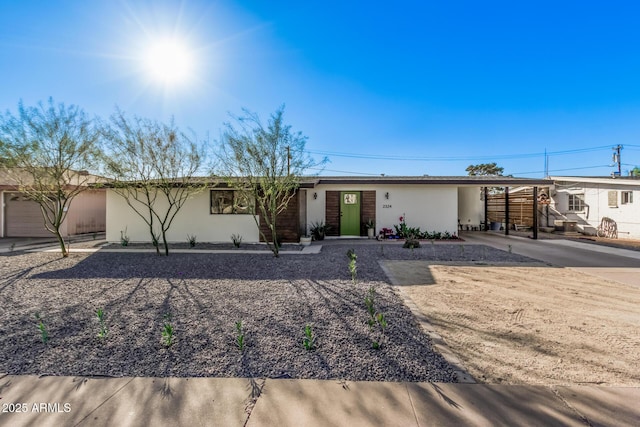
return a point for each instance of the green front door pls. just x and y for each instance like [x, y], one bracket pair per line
[349, 213]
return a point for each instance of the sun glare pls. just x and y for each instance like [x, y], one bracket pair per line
[168, 61]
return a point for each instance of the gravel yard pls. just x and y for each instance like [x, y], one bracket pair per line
[206, 294]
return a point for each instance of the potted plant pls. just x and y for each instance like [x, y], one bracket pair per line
[305, 240]
[318, 230]
[371, 228]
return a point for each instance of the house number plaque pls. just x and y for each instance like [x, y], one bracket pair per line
[386, 206]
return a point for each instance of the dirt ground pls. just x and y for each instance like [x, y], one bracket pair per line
[535, 325]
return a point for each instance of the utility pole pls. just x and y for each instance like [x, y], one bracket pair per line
[288, 160]
[616, 158]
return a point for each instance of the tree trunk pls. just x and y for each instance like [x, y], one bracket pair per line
[63, 247]
[164, 241]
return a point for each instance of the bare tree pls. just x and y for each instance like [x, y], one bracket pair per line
[153, 167]
[264, 164]
[46, 150]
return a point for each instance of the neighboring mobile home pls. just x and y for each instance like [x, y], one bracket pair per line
[344, 203]
[587, 200]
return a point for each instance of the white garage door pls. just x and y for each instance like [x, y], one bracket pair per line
[23, 217]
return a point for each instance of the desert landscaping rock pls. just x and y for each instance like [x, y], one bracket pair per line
[206, 294]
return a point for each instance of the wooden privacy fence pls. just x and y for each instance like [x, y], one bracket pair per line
[520, 207]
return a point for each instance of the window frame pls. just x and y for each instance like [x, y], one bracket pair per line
[571, 205]
[235, 198]
[626, 197]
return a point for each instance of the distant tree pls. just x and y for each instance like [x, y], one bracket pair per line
[152, 166]
[45, 150]
[485, 169]
[264, 164]
[635, 171]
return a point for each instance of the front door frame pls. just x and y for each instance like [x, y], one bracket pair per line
[350, 224]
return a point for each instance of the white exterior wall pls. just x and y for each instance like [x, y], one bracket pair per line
[470, 206]
[430, 207]
[194, 219]
[596, 200]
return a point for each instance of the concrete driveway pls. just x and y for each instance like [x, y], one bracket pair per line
[621, 265]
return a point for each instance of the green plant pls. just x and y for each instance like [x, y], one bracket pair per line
[369, 224]
[375, 318]
[236, 239]
[382, 322]
[12, 247]
[411, 242]
[167, 330]
[124, 239]
[95, 236]
[103, 332]
[353, 267]
[239, 335]
[309, 340]
[192, 240]
[44, 334]
[510, 248]
[319, 230]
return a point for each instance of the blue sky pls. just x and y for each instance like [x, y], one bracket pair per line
[409, 88]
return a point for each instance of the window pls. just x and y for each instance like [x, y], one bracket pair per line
[576, 202]
[626, 197]
[612, 199]
[231, 202]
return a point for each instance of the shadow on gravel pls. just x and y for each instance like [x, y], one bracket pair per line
[330, 264]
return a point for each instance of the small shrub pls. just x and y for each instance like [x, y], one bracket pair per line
[192, 240]
[44, 334]
[239, 335]
[309, 340]
[103, 331]
[375, 319]
[411, 243]
[236, 239]
[95, 236]
[12, 247]
[353, 267]
[124, 239]
[167, 331]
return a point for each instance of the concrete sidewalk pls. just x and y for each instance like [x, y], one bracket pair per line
[81, 401]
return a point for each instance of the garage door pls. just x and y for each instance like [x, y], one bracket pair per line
[23, 217]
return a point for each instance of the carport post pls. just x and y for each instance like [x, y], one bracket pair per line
[506, 211]
[486, 208]
[535, 213]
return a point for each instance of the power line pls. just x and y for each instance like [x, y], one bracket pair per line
[562, 170]
[455, 158]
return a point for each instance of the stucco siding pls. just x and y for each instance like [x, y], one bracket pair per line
[470, 206]
[194, 219]
[597, 205]
[430, 207]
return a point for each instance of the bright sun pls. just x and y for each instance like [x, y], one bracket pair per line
[168, 61]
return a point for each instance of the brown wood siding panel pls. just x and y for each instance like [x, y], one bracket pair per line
[367, 210]
[287, 223]
[332, 212]
[520, 207]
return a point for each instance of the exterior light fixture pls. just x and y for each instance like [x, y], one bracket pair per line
[386, 195]
[315, 196]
